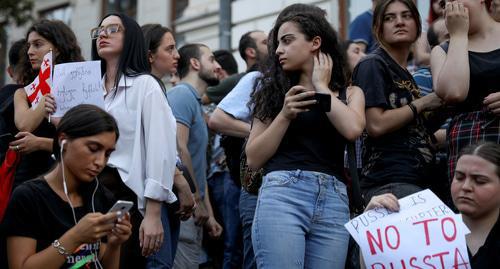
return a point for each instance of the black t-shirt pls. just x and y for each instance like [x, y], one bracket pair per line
[311, 143]
[484, 78]
[488, 255]
[403, 155]
[37, 212]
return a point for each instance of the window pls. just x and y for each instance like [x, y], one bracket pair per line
[62, 13]
[128, 7]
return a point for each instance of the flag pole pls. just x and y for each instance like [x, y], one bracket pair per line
[50, 50]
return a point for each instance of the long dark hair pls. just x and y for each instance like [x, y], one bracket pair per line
[133, 60]
[63, 39]
[153, 33]
[275, 82]
[81, 121]
[378, 18]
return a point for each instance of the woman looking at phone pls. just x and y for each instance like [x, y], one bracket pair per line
[56, 221]
[300, 145]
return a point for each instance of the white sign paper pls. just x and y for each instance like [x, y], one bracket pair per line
[77, 83]
[430, 242]
[412, 207]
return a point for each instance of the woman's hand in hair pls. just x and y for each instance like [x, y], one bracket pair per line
[387, 200]
[296, 101]
[322, 72]
[457, 19]
[93, 227]
[121, 232]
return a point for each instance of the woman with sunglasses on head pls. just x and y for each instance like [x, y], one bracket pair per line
[142, 167]
[465, 73]
[34, 141]
[300, 144]
[57, 221]
[397, 153]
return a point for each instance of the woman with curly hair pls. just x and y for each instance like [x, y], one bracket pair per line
[300, 144]
[34, 140]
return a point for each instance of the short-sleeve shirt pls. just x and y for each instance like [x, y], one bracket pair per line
[187, 108]
[360, 31]
[403, 155]
[236, 102]
[37, 212]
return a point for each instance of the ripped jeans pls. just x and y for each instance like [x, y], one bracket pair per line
[299, 221]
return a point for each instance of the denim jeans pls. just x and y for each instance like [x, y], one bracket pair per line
[164, 258]
[248, 202]
[226, 195]
[299, 221]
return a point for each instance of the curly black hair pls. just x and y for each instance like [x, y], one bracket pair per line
[275, 82]
[63, 39]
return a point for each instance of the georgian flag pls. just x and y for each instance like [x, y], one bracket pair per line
[42, 83]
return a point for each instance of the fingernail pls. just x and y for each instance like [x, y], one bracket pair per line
[118, 213]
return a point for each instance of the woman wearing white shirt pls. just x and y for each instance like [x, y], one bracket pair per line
[143, 164]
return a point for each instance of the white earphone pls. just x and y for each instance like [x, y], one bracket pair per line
[63, 142]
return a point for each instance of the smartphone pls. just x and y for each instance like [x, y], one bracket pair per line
[323, 104]
[123, 206]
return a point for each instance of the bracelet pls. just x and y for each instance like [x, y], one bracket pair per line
[414, 110]
[60, 249]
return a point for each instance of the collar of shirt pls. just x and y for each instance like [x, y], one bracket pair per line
[121, 84]
[192, 90]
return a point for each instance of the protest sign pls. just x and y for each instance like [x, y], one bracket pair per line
[430, 242]
[77, 83]
[412, 207]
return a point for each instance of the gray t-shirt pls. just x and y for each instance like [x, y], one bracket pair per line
[186, 106]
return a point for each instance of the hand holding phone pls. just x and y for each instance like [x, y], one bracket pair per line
[323, 102]
[122, 206]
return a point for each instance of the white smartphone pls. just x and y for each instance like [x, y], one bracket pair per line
[123, 206]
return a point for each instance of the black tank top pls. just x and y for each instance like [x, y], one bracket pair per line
[311, 143]
[484, 78]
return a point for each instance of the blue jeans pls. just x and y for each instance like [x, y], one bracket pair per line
[248, 202]
[164, 258]
[299, 221]
[226, 195]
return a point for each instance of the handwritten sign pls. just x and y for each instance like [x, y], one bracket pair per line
[77, 83]
[431, 242]
[412, 207]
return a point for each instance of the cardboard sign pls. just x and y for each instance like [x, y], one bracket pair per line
[77, 83]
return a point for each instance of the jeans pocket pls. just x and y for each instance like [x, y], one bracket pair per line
[277, 179]
[341, 190]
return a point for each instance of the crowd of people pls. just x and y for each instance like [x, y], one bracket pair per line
[249, 170]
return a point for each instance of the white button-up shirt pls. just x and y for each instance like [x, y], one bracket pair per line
[145, 154]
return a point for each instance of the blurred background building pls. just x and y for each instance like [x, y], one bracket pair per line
[216, 23]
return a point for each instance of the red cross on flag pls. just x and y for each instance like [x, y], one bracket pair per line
[42, 83]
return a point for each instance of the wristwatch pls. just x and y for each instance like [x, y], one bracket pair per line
[60, 249]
